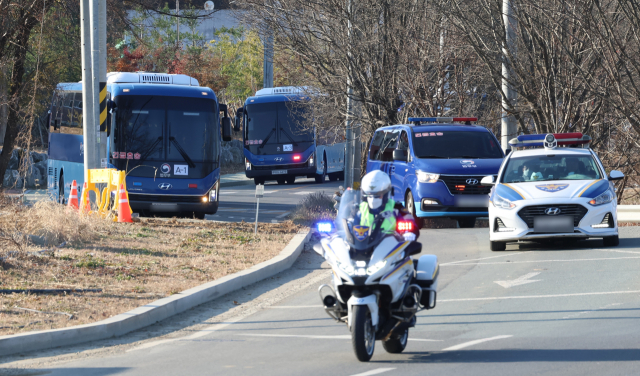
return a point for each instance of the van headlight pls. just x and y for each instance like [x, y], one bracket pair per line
[501, 202]
[427, 177]
[603, 198]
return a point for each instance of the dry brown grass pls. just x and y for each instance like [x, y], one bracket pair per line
[133, 264]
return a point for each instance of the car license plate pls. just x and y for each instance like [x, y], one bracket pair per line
[279, 172]
[561, 223]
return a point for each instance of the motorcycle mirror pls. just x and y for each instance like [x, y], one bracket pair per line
[318, 249]
[413, 248]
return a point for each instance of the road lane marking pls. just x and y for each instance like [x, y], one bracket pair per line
[299, 306]
[303, 193]
[283, 215]
[310, 336]
[374, 372]
[539, 296]
[519, 281]
[535, 261]
[484, 258]
[477, 341]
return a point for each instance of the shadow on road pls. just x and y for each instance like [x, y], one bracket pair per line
[518, 355]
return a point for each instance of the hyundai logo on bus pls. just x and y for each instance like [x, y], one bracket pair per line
[277, 159]
[165, 186]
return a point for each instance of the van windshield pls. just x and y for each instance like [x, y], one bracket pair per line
[455, 144]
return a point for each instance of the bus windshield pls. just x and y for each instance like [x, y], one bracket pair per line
[273, 128]
[172, 129]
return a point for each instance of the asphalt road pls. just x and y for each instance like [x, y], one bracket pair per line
[531, 310]
[239, 203]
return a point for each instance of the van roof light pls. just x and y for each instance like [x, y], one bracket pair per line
[420, 120]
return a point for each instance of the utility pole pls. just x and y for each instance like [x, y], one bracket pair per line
[509, 99]
[178, 24]
[88, 123]
[267, 65]
[350, 152]
[102, 77]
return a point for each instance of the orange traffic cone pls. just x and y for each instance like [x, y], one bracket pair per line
[124, 211]
[73, 196]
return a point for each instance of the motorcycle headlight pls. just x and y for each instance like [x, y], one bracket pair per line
[427, 177]
[501, 202]
[373, 269]
[604, 198]
[347, 268]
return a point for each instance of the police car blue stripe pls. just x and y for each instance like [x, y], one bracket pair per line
[595, 189]
[507, 192]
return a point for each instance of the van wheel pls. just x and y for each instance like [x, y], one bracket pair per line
[321, 178]
[497, 246]
[411, 208]
[258, 181]
[291, 180]
[280, 181]
[61, 189]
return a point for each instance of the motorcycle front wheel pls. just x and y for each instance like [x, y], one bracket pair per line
[363, 336]
[396, 345]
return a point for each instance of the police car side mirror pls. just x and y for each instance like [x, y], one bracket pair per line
[487, 180]
[399, 155]
[226, 129]
[616, 175]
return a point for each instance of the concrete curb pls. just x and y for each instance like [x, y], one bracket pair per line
[236, 183]
[156, 311]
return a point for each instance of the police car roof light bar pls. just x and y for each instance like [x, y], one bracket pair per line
[538, 140]
[420, 120]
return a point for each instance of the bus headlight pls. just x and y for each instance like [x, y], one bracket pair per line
[247, 164]
[311, 160]
[213, 193]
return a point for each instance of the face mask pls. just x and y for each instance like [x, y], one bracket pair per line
[374, 202]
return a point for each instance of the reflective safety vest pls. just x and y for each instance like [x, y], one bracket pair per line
[389, 223]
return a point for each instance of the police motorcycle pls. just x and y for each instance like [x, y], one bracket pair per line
[377, 287]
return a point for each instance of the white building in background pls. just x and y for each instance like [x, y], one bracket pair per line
[206, 26]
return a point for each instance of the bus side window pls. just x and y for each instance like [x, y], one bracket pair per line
[375, 145]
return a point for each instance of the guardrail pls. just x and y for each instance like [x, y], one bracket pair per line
[628, 213]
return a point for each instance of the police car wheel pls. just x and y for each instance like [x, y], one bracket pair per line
[497, 246]
[611, 241]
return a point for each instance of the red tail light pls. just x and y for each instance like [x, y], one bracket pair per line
[404, 226]
[296, 157]
[193, 185]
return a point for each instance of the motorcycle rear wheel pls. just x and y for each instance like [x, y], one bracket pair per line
[363, 335]
[396, 345]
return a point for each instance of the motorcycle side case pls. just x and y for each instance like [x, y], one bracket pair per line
[427, 278]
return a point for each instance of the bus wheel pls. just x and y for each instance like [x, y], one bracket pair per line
[321, 178]
[334, 176]
[258, 181]
[291, 180]
[61, 190]
[281, 181]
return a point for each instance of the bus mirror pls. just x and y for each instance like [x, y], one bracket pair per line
[48, 119]
[236, 126]
[226, 128]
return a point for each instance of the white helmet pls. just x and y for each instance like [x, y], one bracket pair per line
[376, 187]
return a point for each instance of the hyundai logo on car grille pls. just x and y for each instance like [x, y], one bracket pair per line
[277, 159]
[165, 186]
[552, 211]
[472, 181]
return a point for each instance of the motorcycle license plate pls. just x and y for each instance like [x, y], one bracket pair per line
[279, 172]
[561, 223]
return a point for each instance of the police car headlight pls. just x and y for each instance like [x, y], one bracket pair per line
[603, 198]
[501, 202]
[347, 268]
[373, 269]
[427, 177]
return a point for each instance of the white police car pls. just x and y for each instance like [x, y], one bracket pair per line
[552, 192]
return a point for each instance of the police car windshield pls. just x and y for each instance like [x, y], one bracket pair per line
[455, 144]
[557, 167]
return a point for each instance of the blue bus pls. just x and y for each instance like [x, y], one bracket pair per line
[277, 144]
[164, 130]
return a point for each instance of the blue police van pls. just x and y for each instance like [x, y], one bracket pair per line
[436, 165]
[164, 130]
[280, 145]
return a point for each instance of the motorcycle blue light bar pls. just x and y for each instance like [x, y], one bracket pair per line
[420, 120]
[537, 140]
[324, 227]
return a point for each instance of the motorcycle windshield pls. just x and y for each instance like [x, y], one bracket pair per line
[350, 225]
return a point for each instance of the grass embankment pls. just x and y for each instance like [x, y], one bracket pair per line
[133, 263]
